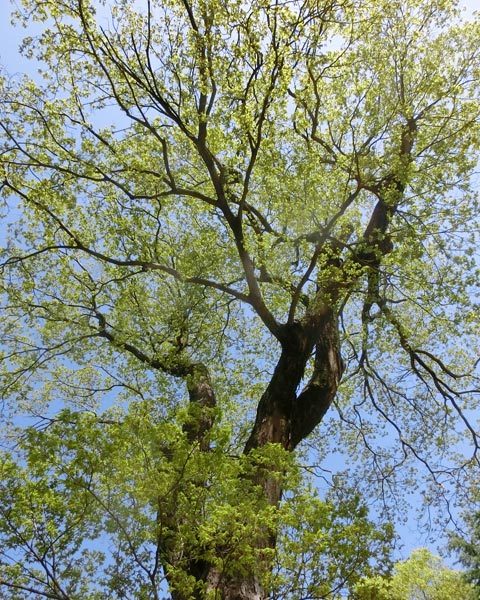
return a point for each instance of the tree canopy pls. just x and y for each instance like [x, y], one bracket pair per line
[243, 239]
[467, 546]
[422, 576]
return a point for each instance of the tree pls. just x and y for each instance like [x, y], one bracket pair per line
[422, 576]
[468, 549]
[232, 223]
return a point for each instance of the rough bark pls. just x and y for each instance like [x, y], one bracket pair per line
[282, 416]
[315, 399]
[241, 588]
[274, 412]
[202, 405]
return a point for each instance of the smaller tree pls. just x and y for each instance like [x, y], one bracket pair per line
[468, 549]
[423, 576]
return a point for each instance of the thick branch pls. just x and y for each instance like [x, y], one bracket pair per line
[196, 375]
[31, 590]
[255, 293]
[273, 419]
[315, 399]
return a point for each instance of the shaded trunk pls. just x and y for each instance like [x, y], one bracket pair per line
[286, 418]
[235, 588]
[283, 415]
[315, 399]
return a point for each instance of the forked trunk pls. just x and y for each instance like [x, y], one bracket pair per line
[286, 418]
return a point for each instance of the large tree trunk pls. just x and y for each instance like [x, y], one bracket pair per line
[286, 418]
[241, 588]
[283, 416]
